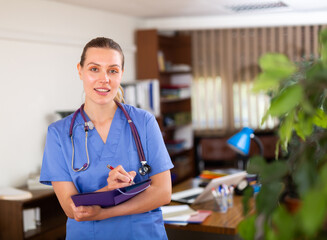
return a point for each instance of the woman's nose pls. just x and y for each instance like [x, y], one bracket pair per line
[105, 78]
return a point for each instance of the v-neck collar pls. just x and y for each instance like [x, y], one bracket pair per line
[95, 142]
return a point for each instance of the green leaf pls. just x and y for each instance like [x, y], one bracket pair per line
[313, 212]
[274, 171]
[323, 179]
[305, 176]
[276, 65]
[285, 130]
[256, 165]
[285, 224]
[286, 100]
[246, 228]
[247, 195]
[264, 82]
[323, 46]
[264, 118]
[320, 119]
[267, 198]
[304, 125]
[277, 149]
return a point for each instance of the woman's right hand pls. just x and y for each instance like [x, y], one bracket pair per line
[119, 178]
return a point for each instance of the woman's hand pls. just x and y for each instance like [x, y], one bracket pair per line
[119, 178]
[86, 213]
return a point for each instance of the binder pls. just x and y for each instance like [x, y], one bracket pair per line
[110, 198]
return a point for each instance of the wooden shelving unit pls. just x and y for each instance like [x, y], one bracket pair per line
[53, 219]
[176, 50]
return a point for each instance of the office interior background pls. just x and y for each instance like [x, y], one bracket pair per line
[41, 42]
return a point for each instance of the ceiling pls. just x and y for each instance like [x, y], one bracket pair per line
[184, 8]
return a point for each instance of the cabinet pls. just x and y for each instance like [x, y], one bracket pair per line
[168, 59]
[53, 219]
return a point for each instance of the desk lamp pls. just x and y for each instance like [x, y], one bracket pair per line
[240, 142]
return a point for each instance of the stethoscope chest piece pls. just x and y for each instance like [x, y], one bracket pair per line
[144, 169]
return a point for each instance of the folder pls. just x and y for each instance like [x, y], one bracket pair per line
[110, 198]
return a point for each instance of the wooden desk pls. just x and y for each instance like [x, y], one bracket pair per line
[53, 219]
[224, 224]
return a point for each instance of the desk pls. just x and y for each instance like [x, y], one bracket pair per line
[223, 224]
[53, 219]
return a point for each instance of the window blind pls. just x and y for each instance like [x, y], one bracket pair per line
[225, 63]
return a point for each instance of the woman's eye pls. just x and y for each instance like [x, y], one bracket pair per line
[113, 71]
[94, 69]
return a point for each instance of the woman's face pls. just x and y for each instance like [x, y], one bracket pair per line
[101, 75]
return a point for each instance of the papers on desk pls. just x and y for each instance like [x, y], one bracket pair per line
[183, 214]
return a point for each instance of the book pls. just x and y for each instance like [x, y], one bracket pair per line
[10, 193]
[31, 218]
[175, 91]
[183, 214]
[206, 174]
[161, 61]
[216, 173]
[175, 145]
[143, 94]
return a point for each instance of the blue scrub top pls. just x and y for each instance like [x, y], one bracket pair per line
[119, 149]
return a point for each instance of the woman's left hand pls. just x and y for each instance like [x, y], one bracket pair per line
[86, 213]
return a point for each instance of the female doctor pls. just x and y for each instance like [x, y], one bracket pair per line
[72, 170]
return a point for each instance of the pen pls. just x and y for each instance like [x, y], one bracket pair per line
[112, 168]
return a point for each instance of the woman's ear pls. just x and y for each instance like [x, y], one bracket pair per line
[79, 69]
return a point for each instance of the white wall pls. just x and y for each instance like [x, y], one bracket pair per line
[40, 45]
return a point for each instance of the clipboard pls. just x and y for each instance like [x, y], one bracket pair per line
[110, 198]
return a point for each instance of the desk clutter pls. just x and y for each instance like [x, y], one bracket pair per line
[249, 181]
[183, 215]
[223, 196]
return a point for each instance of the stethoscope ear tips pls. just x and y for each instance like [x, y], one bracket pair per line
[85, 166]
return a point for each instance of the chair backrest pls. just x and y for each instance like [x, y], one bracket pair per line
[216, 151]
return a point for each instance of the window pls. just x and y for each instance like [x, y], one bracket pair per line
[225, 63]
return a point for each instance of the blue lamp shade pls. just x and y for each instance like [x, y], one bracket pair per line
[240, 142]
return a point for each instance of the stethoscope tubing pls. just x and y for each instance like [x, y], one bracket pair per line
[86, 129]
[135, 135]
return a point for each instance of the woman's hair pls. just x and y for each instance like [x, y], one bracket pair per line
[102, 42]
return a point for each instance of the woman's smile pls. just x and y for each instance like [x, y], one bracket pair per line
[102, 91]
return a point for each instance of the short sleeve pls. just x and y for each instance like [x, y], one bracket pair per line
[54, 166]
[158, 157]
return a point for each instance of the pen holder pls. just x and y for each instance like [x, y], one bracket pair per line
[230, 197]
[221, 204]
[223, 198]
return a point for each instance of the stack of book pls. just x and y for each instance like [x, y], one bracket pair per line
[175, 145]
[143, 94]
[177, 119]
[183, 214]
[175, 91]
[216, 173]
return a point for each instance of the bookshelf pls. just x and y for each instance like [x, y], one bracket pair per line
[53, 219]
[168, 59]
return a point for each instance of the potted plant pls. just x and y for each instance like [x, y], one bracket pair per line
[298, 99]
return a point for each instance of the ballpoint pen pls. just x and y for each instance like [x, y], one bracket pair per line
[112, 168]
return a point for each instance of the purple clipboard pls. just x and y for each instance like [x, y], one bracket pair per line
[110, 198]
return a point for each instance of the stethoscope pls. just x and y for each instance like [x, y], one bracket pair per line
[88, 125]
